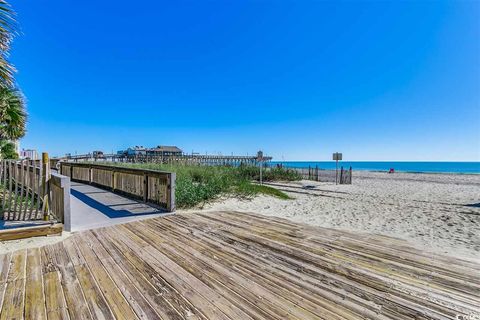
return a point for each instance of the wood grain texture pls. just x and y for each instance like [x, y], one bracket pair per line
[28, 232]
[229, 265]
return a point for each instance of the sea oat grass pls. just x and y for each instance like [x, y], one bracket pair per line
[196, 185]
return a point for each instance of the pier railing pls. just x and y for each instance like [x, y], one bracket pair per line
[30, 191]
[186, 159]
[151, 186]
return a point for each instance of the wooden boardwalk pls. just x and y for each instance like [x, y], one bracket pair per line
[233, 266]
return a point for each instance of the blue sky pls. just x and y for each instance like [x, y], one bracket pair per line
[297, 79]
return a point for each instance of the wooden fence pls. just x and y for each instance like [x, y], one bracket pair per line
[30, 191]
[151, 186]
[342, 176]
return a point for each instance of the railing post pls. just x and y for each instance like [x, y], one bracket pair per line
[45, 178]
[113, 180]
[145, 187]
[171, 180]
[67, 215]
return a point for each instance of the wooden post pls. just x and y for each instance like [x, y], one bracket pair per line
[11, 172]
[5, 183]
[341, 175]
[171, 180]
[23, 179]
[45, 178]
[64, 213]
[336, 171]
[31, 169]
[39, 188]
[145, 187]
[113, 181]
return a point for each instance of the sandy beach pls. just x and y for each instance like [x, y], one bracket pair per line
[434, 212]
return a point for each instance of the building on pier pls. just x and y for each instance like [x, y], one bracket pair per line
[164, 151]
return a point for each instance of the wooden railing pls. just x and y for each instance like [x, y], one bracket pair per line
[151, 186]
[30, 191]
[340, 176]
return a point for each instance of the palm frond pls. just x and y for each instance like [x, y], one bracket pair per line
[6, 73]
[8, 29]
[13, 116]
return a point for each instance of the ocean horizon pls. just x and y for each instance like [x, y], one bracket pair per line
[399, 166]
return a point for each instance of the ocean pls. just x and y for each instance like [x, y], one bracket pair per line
[400, 166]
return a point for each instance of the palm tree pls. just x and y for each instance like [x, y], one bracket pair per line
[12, 114]
[12, 103]
[7, 31]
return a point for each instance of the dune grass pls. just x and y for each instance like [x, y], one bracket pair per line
[196, 185]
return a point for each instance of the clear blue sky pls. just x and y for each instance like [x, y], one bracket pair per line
[298, 79]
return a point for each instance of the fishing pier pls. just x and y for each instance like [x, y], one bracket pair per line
[188, 159]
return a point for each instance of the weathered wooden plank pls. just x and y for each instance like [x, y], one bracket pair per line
[233, 266]
[134, 297]
[442, 286]
[28, 232]
[395, 265]
[93, 295]
[4, 268]
[333, 269]
[55, 258]
[55, 304]
[184, 281]
[185, 284]
[241, 290]
[13, 301]
[34, 296]
[118, 305]
[128, 289]
[165, 300]
[247, 266]
[372, 279]
[377, 243]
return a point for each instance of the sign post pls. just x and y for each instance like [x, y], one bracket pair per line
[260, 159]
[336, 156]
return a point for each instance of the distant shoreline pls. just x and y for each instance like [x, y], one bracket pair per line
[425, 167]
[420, 172]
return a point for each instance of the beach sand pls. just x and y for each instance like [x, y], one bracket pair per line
[439, 213]
[13, 245]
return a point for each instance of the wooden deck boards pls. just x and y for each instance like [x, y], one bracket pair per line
[228, 265]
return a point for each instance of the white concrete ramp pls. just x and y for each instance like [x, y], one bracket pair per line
[92, 207]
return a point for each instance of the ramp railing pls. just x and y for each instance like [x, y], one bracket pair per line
[151, 186]
[30, 191]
